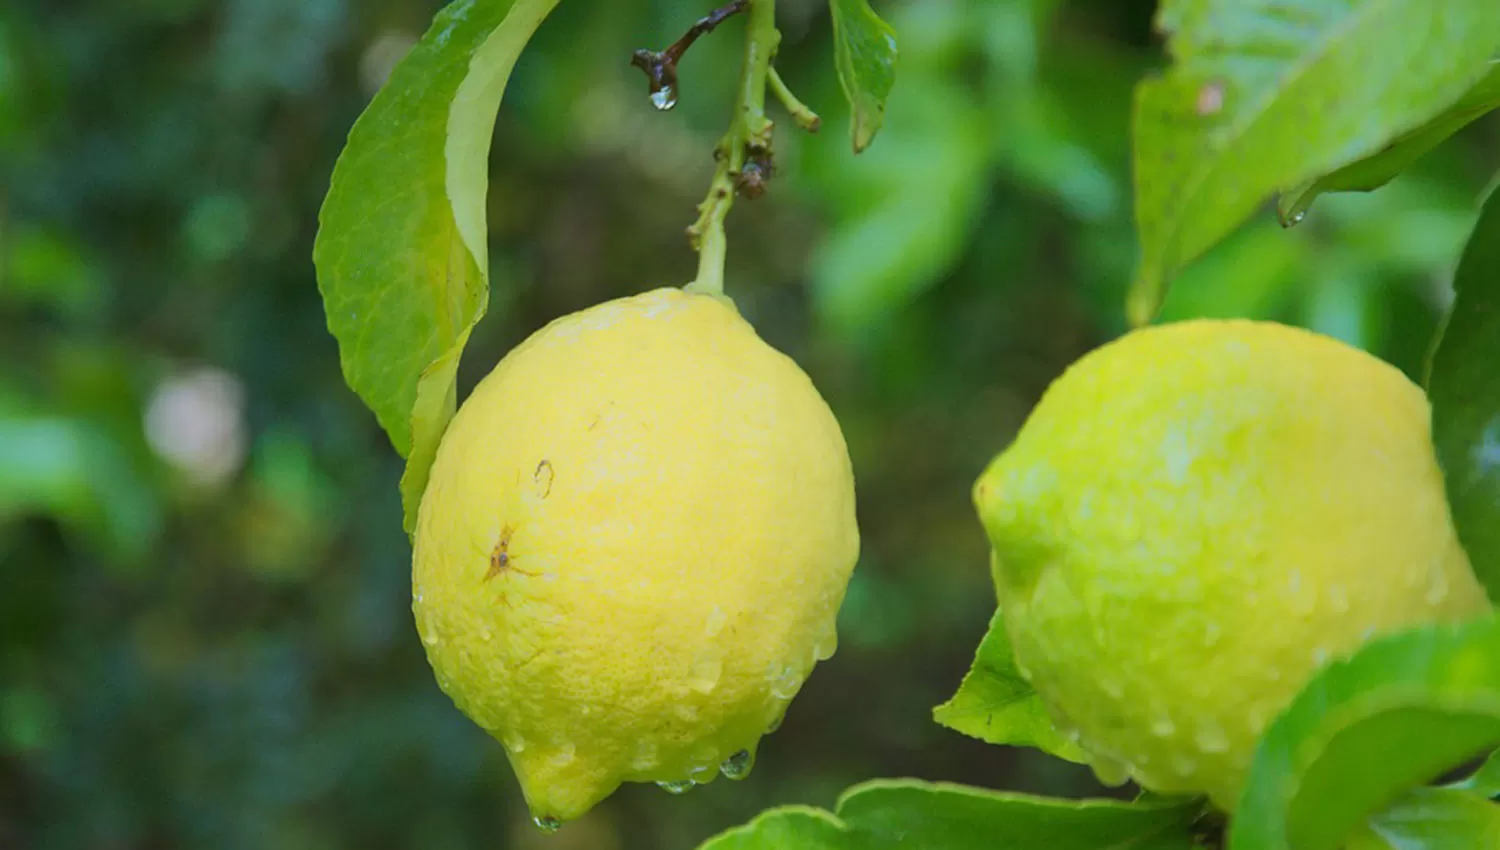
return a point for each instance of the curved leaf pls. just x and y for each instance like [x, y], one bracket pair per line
[1394, 716]
[1464, 386]
[1434, 819]
[401, 251]
[997, 705]
[1265, 94]
[1375, 171]
[1485, 781]
[787, 828]
[908, 813]
[864, 52]
[890, 814]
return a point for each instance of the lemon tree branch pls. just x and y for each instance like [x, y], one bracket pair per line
[744, 154]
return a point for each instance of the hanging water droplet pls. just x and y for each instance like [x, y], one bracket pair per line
[646, 758]
[1257, 718]
[664, 98]
[736, 766]
[548, 825]
[1109, 771]
[1211, 739]
[679, 787]
[513, 741]
[1438, 591]
[826, 646]
[785, 685]
[1338, 599]
[705, 674]
[715, 622]
[564, 754]
[1293, 218]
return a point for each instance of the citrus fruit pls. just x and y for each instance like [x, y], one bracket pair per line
[637, 535]
[1194, 519]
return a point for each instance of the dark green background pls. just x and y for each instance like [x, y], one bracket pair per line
[213, 648]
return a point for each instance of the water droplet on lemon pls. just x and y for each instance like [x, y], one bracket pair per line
[681, 786]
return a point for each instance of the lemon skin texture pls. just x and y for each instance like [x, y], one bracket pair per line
[635, 541]
[1194, 519]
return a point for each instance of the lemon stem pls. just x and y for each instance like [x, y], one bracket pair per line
[743, 155]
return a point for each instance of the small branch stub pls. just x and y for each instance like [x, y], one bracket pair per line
[661, 68]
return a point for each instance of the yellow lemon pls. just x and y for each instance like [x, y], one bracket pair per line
[636, 538]
[1194, 519]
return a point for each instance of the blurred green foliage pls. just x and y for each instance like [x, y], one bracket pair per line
[204, 628]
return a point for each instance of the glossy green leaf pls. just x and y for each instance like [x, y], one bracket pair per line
[790, 827]
[997, 705]
[1393, 717]
[864, 52]
[1376, 170]
[892, 814]
[1433, 819]
[1265, 94]
[907, 813]
[1464, 386]
[401, 254]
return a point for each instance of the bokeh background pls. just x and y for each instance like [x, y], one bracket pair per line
[205, 636]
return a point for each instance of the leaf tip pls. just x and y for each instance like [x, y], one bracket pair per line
[1145, 297]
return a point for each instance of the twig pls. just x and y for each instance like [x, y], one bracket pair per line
[745, 163]
[805, 117]
[747, 144]
[661, 68]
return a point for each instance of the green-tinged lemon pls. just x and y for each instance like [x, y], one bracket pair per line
[1194, 519]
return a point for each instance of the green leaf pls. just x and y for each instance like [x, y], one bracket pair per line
[1375, 171]
[1396, 715]
[997, 705]
[864, 51]
[1485, 781]
[1435, 819]
[1265, 94]
[891, 814]
[787, 828]
[908, 813]
[1465, 390]
[401, 254]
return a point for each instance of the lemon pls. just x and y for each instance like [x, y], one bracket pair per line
[637, 535]
[1194, 519]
